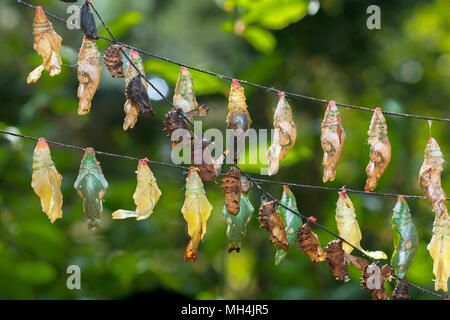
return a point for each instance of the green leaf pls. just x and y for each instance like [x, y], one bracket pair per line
[237, 224]
[203, 83]
[261, 39]
[274, 14]
[35, 272]
[122, 24]
[291, 221]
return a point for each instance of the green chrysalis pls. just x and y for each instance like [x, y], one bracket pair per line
[91, 186]
[405, 238]
[291, 221]
[237, 224]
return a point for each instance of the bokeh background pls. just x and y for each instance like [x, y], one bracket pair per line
[318, 48]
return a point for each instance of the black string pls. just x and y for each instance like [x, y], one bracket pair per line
[221, 76]
[248, 177]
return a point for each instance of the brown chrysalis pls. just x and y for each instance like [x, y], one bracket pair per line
[373, 281]
[113, 61]
[174, 122]
[401, 291]
[231, 187]
[359, 263]
[137, 94]
[308, 243]
[271, 222]
[335, 258]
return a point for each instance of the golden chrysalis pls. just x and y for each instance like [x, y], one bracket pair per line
[284, 137]
[439, 248]
[196, 211]
[89, 74]
[349, 228]
[47, 44]
[380, 150]
[238, 119]
[430, 178]
[332, 140]
[145, 197]
[46, 181]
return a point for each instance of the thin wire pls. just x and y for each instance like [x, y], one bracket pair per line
[225, 77]
[276, 201]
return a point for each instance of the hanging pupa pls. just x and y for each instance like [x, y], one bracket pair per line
[145, 197]
[237, 224]
[89, 74]
[87, 22]
[405, 238]
[430, 178]
[439, 248]
[308, 243]
[335, 258]
[231, 187]
[113, 61]
[292, 222]
[47, 44]
[349, 228]
[373, 281]
[380, 150]
[271, 222]
[174, 122]
[238, 119]
[91, 186]
[138, 101]
[46, 181]
[196, 211]
[332, 140]
[284, 137]
[184, 95]
[401, 291]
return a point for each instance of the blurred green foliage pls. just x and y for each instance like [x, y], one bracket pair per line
[403, 67]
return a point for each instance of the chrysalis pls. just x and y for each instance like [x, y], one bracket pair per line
[336, 260]
[46, 181]
[91, 187]
[87, 22]
[439, 248]
[47, 44]
[380, 150]
[349, 228]
[292, 222]
[430, 178]
[237, 224]
[271, 222]
[130, 108]
[231, 187]
[238, 118]
[209, 168]
[113, 61]
[405, 238]
[284, 137]
[89, 74]
[174, 122]
[196, 211]
[373, 281]
[309, 243]
[145, 197]
[136, 92]
[332, 141]
[184, 96]
[401, 291]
